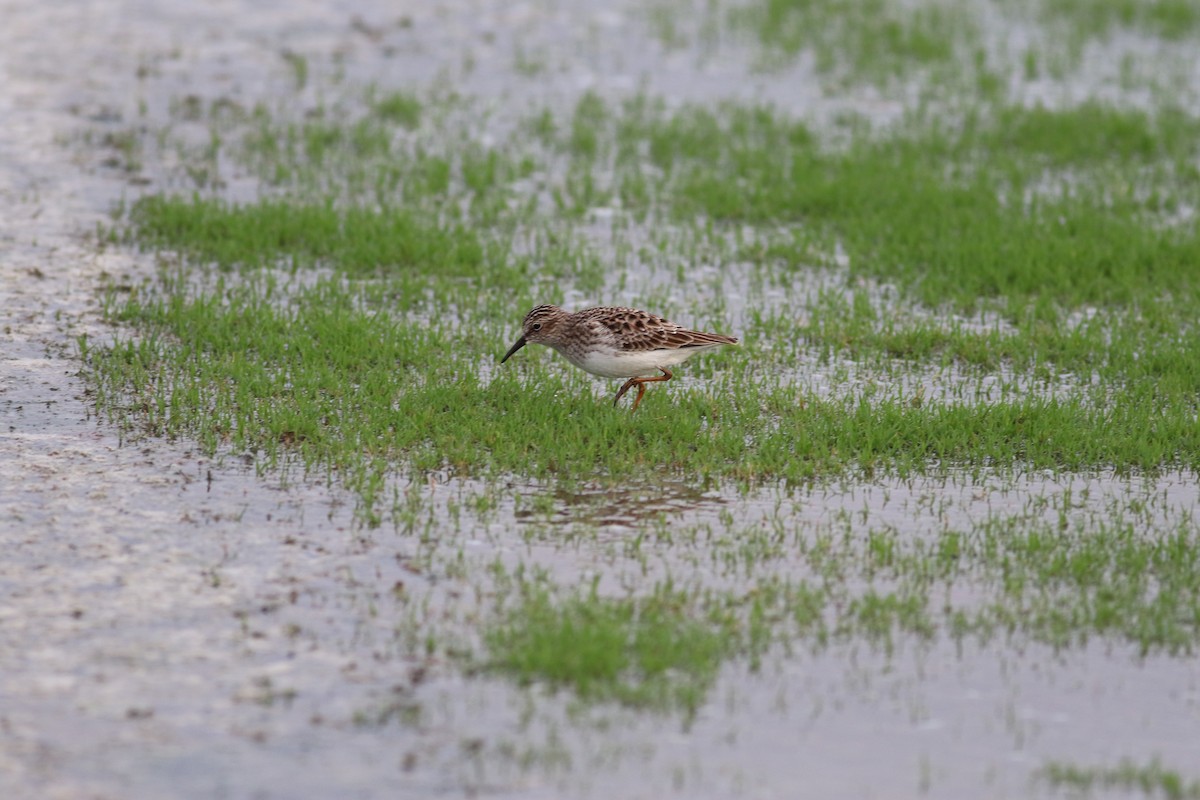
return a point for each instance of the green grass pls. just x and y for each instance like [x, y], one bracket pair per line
[876, 41]
[1125, 358]
[346, 321]
[1167, 19]
[1048, 575]
[288, 235]
[400, 108]
[941, 47]
[1151, 780]
[1021, 205]
[366, 377]
[329, 379]
[1019, 578]
[1065, 585]
[654, 652]
[386, 149]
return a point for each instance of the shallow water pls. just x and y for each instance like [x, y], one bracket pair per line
[177, 627]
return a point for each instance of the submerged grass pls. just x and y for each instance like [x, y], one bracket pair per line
[1063, 586]
[1050, 575]
[1058, 243]
[1061, 582]
[1151, 780]
[1167, 19]
[654, 652]
[875, 41]
[888, 43]
[1020, 205]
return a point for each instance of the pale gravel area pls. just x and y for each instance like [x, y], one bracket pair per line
[131, 660]
[171, 627]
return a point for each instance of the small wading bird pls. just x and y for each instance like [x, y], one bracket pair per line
[616, 343]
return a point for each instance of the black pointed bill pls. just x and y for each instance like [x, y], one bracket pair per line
[520, 343]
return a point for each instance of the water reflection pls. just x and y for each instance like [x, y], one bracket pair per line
[615, 505]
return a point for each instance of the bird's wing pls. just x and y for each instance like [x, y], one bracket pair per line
[639, 331]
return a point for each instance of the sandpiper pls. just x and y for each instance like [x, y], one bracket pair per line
[616, 343]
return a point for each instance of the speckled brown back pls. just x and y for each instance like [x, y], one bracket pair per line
[641, 331]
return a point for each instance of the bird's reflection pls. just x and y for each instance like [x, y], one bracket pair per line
[615, 505]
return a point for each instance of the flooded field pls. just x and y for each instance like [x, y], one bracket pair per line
[277, 523]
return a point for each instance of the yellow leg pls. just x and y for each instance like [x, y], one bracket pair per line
[625, 388]
[641, 384]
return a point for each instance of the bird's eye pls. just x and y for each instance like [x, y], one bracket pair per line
[537, 326]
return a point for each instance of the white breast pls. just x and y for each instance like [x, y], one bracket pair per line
[627, 364]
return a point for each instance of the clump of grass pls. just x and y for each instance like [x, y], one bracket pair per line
[276, 233]
[1059, 581]
[1151, 780]
[876, 40]
[941, 46]
[1120, 350]
[654, 652]
[1064, 586]
[1091, 135]
[1169, 19]
[955, 217]
[1088, 205]
[379, 155]
[401, 108]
